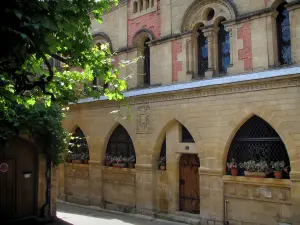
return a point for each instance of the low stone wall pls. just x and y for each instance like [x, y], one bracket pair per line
[119, 186]
[263, 201]
[77, 183]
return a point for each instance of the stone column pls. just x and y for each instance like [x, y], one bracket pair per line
[294, 12]
[272, 38]
[211, 196]
[211, 34]
[95, 183]
[295, 197]
[145, 189]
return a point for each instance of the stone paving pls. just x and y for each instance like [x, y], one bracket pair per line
[78, 215]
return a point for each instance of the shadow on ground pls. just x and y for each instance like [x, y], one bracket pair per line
[36, 221]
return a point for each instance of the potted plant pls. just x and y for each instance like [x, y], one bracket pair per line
[233, 167]
[108, 160]
[70, 156]
[255, 169]
[131, 161]
[85, 157]
[118, 162]
[162, 163]
[77, 158]
[277, 168]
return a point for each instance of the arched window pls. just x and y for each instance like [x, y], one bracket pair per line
[284, 36]
[202, 54]
[162, 161]
[141, 5]
[257, 141]
[186, 136]
[146, 63]
[135, 6]
[78, 148]
[224, 49]
[120, 149]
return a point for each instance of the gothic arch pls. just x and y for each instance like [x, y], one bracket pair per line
[160, 135]
[276, 123]
[109, 134]
[141, 36]
[197, 13]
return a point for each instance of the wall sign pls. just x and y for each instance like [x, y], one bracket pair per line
[3, 167]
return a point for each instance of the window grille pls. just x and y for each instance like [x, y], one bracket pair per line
[257, 140]
[284, 36]
[186, 136]
[163, 151]
[202, 54]
[78, 144]
[120, 143]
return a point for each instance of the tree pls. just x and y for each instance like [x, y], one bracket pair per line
[33, 93]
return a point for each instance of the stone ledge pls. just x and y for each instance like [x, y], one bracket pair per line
[257, 181]
[109, 169]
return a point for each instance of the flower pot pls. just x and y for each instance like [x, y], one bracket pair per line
[86, 161]
[108, 163]
[69, 160]
[76, 161]
[162, 167]
[278, 174]
[255, 174]
[234, 171]
[119, 165]
[130, 165]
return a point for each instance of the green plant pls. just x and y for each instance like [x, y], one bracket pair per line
[252, 166]
[162, 161]
[278, 166]
[232, 164]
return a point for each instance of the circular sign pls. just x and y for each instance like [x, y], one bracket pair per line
[3, 167]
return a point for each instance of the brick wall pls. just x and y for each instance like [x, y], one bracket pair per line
[149, 21]
[244, 33]
[176, 65]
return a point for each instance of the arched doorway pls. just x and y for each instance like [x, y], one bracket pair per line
[189, 197]
[18, 180]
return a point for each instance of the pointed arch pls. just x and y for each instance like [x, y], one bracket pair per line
[120, 144]
[78, 146]
[257, 140]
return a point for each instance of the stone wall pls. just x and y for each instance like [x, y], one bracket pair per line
[212, 116]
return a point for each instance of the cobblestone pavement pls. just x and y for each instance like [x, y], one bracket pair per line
[77, 215]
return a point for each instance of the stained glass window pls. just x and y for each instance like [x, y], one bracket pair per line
[147, 63]
[202, 54]
[284, 36]
[224, 49]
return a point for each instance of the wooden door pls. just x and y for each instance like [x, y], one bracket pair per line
[8, 189]
[189, 200]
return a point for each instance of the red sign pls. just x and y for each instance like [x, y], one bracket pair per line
[3, 167]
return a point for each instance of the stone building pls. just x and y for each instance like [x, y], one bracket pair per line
[219, 81]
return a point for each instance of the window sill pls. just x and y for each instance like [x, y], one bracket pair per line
[257, 181]
[77, 165]
[118, 170]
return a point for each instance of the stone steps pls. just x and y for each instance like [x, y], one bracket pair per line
[180, 217]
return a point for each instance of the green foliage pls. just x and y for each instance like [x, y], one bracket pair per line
[32, 92]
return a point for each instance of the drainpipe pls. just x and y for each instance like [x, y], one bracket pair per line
[225, 212]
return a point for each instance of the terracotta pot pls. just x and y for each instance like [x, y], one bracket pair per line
[119, 165]
[86, 161]
[234, 171]
[162, 167]
[69, 160]
[76, 161]
[108, 163]
[130, 165]
[255, 174]
[278, 174]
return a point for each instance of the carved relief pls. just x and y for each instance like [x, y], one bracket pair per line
[143, 112]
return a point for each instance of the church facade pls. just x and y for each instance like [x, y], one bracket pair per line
[211, 121]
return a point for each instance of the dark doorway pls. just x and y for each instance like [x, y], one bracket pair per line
[189, 199]
[18, 180]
